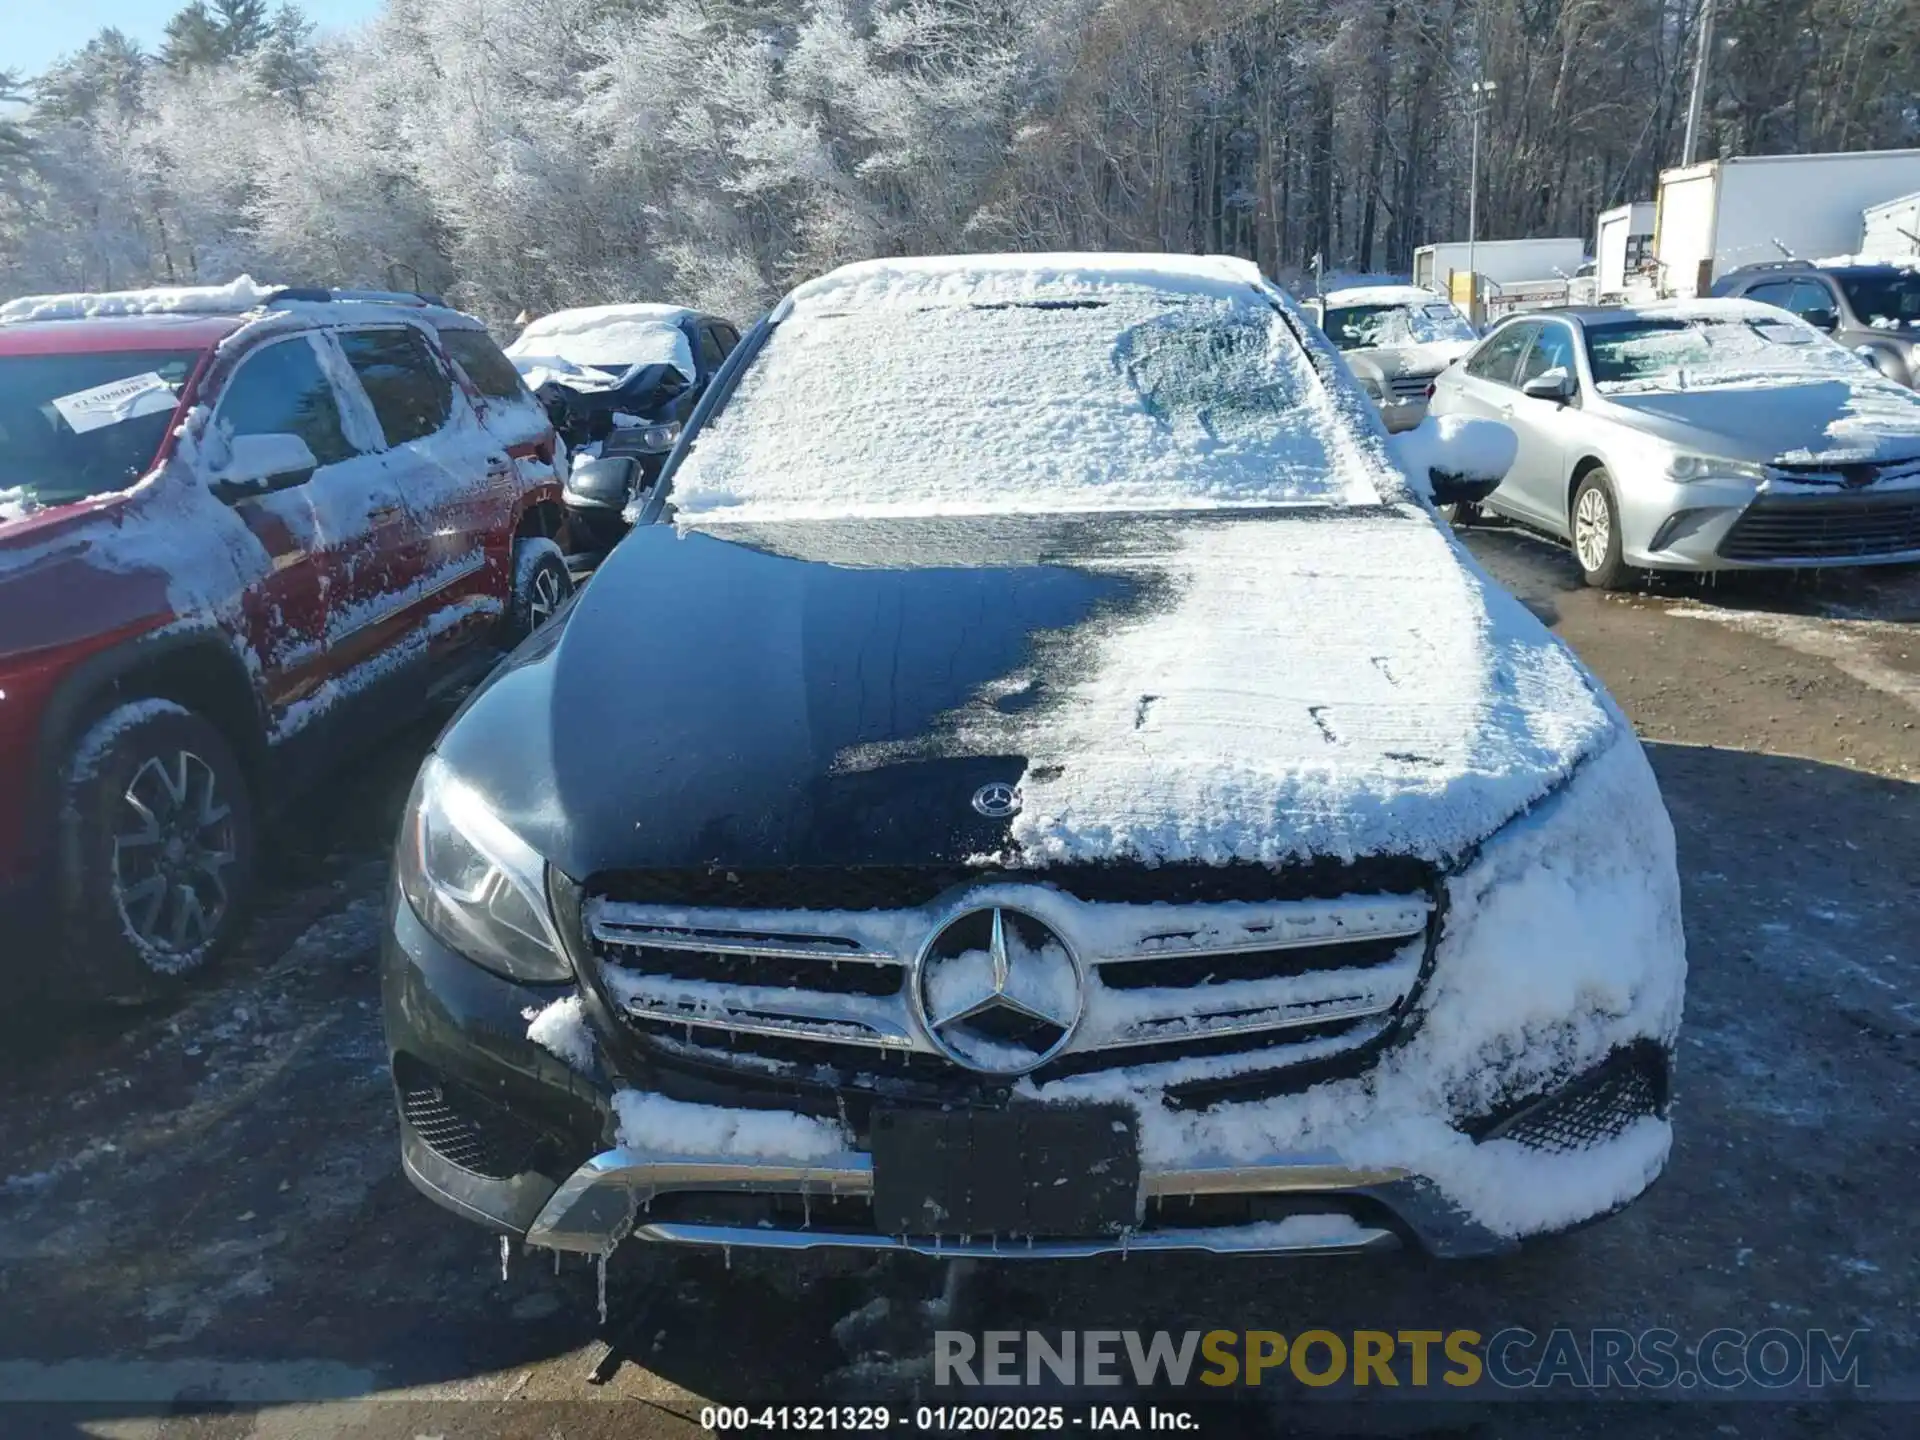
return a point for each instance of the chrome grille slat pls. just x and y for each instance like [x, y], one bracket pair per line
[1303, 991]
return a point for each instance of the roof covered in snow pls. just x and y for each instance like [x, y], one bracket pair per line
[233, 298]
[1384, 295]
[605, 338]
[972, 280]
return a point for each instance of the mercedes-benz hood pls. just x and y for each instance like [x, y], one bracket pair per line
[1222, 686]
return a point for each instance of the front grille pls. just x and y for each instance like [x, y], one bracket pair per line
[462, 1128]
[1410, 387]
[1825, 527]
[832, 996]
[1596, 1107]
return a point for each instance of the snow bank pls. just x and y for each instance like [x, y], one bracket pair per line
[1029, 384]
[655, 1125]
[602, 337]
[235, 297]
[1563, 941]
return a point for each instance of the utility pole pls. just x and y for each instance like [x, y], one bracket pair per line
[1698, 96]
[1479, 90]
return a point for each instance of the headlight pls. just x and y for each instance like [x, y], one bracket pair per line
[1686, 468]
[657, 438]
[474, 883]
[1372, 387]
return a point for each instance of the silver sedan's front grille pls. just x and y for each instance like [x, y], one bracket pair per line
[1155, 981]
[1410, 387]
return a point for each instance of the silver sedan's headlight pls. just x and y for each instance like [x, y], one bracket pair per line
[476, 885]
[1687, 468]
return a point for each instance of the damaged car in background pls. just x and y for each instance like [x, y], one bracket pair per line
[1396, 340]
[1084, 800]
[618, 382]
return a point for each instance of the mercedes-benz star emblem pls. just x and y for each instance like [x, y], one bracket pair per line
[996, 801]
[999, 991]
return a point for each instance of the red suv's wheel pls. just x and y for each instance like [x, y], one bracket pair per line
[157, 848]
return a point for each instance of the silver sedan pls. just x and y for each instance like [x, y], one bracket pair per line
[1703, 435]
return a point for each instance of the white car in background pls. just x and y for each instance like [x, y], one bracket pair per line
[1698, 435]
[1396, 340]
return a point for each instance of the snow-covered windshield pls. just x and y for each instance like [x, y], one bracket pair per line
[1682, 352]
[1377, 327]
[72, 426]
[1134, 399]
[1886, 302]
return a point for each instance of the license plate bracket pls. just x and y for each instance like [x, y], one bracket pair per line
[1028, 1171]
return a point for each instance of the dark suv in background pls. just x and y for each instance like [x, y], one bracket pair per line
[242, 531]
[1872, 309]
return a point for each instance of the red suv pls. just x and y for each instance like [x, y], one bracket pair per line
[242, 532]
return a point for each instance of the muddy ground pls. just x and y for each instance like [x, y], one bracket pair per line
[204, 1231]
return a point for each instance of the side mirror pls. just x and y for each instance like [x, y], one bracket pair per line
[1462, 458]
[1827, 320]
[1556, 385]
[602, 480]
[261, 464]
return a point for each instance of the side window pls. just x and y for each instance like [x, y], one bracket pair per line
[708, 352]
[491, 372]
[1773, 292]
[280, 389]
[726, 335]
[1811, 299]
[1497, 359]
[398, 371]
[1553, 349]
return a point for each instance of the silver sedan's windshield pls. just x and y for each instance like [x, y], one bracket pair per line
[1692, 353]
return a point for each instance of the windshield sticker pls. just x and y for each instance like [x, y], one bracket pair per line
[1781, 334]
[1440, 312]
[116, 402]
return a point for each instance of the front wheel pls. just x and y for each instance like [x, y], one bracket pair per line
[157, 852]
[1596, 533]
[541, 584]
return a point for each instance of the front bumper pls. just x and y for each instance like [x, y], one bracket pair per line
[1713, 525]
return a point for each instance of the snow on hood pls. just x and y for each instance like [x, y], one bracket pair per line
[17, 504]
[1026, 384]
[1383, 295]
[1319, 685]
[1839, 420]
[603, 338]
[235, 297]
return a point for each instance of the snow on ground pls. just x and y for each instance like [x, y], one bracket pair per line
[1044, 383]
[655, 1125]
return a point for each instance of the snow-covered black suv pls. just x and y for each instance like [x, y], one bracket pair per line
[1039, 776]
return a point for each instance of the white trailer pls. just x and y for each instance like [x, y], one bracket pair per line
[1891, 230]
[1716, 216]
[1501, 261]
[1622, 247]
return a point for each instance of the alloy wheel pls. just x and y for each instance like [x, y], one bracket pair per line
[1592, 529]
[176, 840]
[544, 596]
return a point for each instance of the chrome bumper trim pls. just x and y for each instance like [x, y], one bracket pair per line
[1226, 1240]
[601, 1202]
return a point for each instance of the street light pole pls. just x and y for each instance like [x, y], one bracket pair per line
[1699, 92]
[1478, 89]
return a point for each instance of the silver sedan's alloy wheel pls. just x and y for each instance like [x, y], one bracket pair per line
[171, 846]
[1592, 530]
[544, 596]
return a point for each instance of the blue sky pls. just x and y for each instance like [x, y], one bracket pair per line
[58, 28]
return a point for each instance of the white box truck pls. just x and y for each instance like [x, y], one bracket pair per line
[1891, 230]
[1622, 247]
[1719, 215]
[1501, 261]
